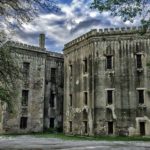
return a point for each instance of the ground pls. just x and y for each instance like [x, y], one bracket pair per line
[27, 142]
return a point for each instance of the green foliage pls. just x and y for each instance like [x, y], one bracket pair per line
[9, 73]
[127, 9]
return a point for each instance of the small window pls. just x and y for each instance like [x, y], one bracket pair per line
[108, 62]
[26, 68]
[70, 66]
[85, 127]
[110, 127]
[25, 94]
[70, 96]
[142, 128]
[85, 65]
[85, 98]
[109, 97]
[52, 99]
[70, 126]
[51, 122]
[23, 123]
[139, 60]
[141, 96]
[53, 75]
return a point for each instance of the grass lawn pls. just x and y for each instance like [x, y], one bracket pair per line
[77, 137]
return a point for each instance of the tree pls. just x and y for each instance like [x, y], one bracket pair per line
[14, 13]
[22, 11]
[126, 9]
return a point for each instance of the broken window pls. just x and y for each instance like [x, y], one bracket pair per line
[26, 67]
[139, 61]
[142, 128]
[70, 96]
[23, 123]
[108, 62]
[85, 65]
[141, 96]
[51, 125]
[110, 127]
[85, 126]
[25, 94]
[85, 98]
[53, 75]
[109, 97]
[52, 99]
[70, 126]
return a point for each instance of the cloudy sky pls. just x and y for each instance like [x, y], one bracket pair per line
[74, 19]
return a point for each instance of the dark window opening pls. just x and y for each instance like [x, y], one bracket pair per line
[109, 62]
[110, 127]
[85, 65]
[139, 61]
[70, 126]
[109, 96]
[142, 128]
[53, 75]
[141, 96]
[70, 99]
[85, 98]
[52, 100]
[25, 94]
[51, 122]
[85, 115]
[26, 68]
[70, 70]
[85, 126]
[23, 123]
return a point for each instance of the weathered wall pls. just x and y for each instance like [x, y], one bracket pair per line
[35, 85]
[124, 79]
[54, 60]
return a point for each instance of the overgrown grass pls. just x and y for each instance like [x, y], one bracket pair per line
[83, 138]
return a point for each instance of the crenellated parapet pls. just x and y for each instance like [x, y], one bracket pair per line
[54, 54]
[106, 31]
[24, 46]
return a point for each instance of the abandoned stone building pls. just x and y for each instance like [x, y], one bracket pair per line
[40, 94]
[107, 83]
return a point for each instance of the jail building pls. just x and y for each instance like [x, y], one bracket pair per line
[107, 83]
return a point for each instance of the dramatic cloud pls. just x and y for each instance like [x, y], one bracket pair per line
[74, 19]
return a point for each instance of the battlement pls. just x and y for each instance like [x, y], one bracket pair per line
[106, 31]
[25, 46]
[54, 54]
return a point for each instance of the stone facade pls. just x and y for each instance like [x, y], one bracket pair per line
[29, 114]
[107, 83]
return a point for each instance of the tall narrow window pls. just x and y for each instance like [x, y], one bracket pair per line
[52, 99]
[25, 94]
[109, 97]
[85, 98]
[139, 60]
[110, 127]
[53, 75]
[70, 126]
[141, 96]
[23, 123]
[51, 123]
[26, 68]
[70, 66]
[70, 97]
[142, 128]
[85, 65]
[85, 127]
[108, 62]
